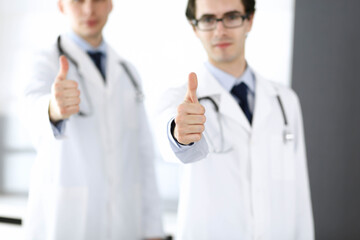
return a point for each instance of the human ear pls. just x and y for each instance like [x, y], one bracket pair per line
[250, 22]
[60, 6]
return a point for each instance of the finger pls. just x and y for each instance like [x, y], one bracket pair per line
[190, 108]
[64, 68]
[66, 102]
[65, 84]
[190, 119]
[72, 110]
[191, 129]
[189, 138]
[70, 93]
[70, 84]
[72, 102]
[191, 90]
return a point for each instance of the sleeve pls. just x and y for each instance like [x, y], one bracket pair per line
[169, 148]
[304, 216]
[36, 97]
[58, 128]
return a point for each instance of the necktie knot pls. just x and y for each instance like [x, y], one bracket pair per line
[96, 58]
[241, 92]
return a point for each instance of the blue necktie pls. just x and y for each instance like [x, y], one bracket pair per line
[241, 92]
[96, 57]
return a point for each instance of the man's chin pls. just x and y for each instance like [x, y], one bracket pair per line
[89, 34]
[224, 59]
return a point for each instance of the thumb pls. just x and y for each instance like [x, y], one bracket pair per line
[191, 90]
[64, 68]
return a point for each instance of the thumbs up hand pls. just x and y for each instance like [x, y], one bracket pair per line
[65, 95]
[190, 117]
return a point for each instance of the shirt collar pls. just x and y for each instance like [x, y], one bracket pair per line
[85, 46]
[228, 81]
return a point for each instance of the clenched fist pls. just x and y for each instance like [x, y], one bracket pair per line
[190, 117]
[65, 95]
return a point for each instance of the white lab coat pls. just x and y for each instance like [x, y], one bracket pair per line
[259, 189]
[97, 180]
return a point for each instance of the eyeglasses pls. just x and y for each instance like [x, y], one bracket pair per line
[208, 22]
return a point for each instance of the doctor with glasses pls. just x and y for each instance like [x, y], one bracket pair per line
[239, 136]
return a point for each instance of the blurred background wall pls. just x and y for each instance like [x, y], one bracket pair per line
[326, 76]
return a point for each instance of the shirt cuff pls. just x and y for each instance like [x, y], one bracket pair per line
[58, 128]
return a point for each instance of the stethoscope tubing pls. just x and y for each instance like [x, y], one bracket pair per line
[216, 106]
[288, 136]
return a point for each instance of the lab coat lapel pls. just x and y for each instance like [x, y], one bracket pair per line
[209, 86]
[86, 66]
[113, 69]
[264, 94]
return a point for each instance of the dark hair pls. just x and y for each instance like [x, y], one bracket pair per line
[191, 8]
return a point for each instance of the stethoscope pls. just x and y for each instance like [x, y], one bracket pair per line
[223, 148]
[288, 136]
[139, 94]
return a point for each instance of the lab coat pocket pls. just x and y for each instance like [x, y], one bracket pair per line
[282, 159]
[70, 212]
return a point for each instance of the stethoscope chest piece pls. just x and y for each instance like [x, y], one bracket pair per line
[288, 136]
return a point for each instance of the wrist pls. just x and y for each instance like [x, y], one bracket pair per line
[53, 118]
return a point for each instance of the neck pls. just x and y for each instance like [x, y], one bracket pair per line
[234, 68]
[94, 41]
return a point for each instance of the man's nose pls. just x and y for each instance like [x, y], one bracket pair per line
[89, 7]
[219, 27]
